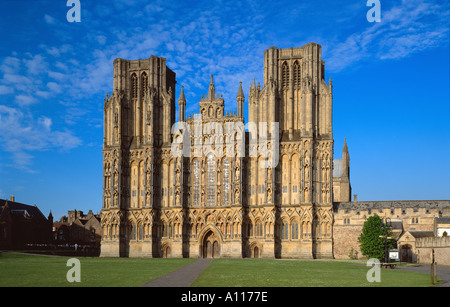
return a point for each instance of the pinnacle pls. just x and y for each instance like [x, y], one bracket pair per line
[240, 91]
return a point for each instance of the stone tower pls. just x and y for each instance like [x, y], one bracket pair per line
[138, 117]
[342, 189]
[295, 95]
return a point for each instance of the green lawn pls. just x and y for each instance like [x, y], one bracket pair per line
[29, 270]
[301, 273]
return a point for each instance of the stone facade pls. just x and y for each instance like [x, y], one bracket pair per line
[285, 197]
[157, 204]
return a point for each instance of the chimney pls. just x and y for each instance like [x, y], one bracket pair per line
[12, 198]
[355, 196]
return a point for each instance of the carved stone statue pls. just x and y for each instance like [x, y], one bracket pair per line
[178, 174]
[306, 194]
[116, 179]
[177, 199]
[115, 200]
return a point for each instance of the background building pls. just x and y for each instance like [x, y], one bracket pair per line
[22, 226]
[84, 228]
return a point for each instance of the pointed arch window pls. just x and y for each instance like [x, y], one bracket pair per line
[285, 75]
[134, 86]
[259, 229]
[226, 181]
[294, 233]
[211, 184]
[132, 229]
[284, 230]
[141, 231]
[144, 84]
[249, 228]
[165, 230]
[196, 182]
[297, 74]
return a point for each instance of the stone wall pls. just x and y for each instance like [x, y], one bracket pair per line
[349, 218]
[345, 238]
[441, 246]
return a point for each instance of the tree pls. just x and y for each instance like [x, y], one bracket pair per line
[372, 239]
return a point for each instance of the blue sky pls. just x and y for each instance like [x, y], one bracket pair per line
[391, 84]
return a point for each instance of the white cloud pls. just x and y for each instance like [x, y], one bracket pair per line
[10, 65]
[36, 64]
[25, 78]
[101, 39]
[49, 19]
[54, 87]
[6, 90]
[405, 29]
[25, 100]
[226, 40]
[57, 75]
[45, 122]
[56, 51]
[20, 135]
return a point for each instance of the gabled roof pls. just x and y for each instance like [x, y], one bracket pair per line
[15, 207]
[416, 234]
[422, 234]
[57, 225]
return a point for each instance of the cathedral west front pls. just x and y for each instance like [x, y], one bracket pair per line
[234, 202]
[219, 185]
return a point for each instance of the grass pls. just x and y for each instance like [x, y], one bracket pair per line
[300, 273]
[21, 270]
[18, 270]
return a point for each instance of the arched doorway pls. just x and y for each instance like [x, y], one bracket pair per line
[256, 252]
[166, 252]
[406, 253]
[210, 247]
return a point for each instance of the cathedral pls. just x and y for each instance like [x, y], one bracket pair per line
[262, 192]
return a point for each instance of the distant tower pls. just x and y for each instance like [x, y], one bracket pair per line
[212, 89]
[182, 106]
[50, 218]
[240, 101]
[346, 189]
[345, 160]
[342, 189]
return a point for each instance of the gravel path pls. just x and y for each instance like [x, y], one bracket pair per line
[182, 277]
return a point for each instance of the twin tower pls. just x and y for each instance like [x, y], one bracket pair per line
[158, 204]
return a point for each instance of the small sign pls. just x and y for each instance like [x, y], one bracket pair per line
[394, 254]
